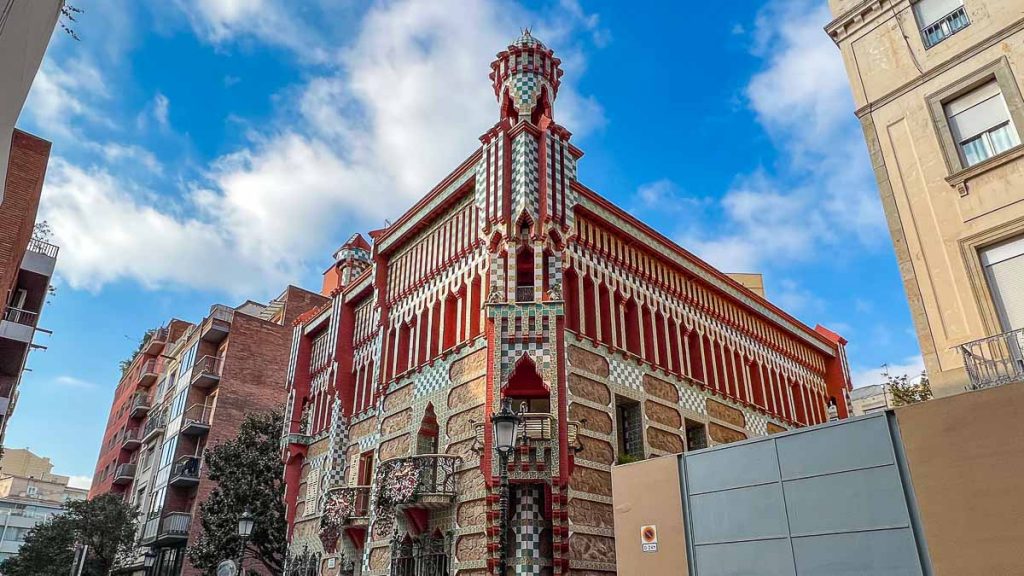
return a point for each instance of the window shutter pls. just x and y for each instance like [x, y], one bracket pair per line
[977, 112]
[931, 11]
[312, 491]
[353, 470]
[1004, 267]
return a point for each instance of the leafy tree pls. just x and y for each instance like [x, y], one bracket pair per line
[125, 364]
[905, 392]
[247, 470]
[106, 524]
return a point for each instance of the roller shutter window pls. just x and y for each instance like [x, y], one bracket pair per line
[981, 125]
[940, 19]
[1004, 270]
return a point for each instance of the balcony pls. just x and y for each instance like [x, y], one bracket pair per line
[351, 504]
[425, 481]
[148, 372]
[140, 405]
[185, 472]
[166, 529]
[995, 360]
[124, 473]
[40, 257]
[154, 427]
[196, 420]
[155, 343]
[18, 325]
[206, 372]
[132, 439]
[216, 326]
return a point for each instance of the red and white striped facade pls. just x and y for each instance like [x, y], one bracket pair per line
[510, 279]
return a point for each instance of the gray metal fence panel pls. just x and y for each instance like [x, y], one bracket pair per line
[827, 500]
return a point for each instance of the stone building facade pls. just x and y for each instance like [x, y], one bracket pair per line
[937, 89]
[510, 279]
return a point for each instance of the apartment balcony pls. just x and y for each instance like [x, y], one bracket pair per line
[425, 481]
[206, 372]
[40, 258]
[196, 420]
[156, 342]
[538, 440]
[995, 360]
[140, 405]
[166, 529]
[124, 473]
[132, 439]
[185, 472]
[154, 427]
[18, 325]
[148, 373]
[217, 325]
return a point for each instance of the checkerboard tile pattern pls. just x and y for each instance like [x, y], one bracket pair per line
[756, 423]
[525, 184]
[692, 400]
[525, 335]
[527, 524]
[525, 88]
[432, 379]
[336, 473]
[625, 374]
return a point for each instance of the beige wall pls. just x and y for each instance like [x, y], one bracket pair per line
[751, 281]
[966, 460]
[648, 493]
[937, 224]
[26, 33]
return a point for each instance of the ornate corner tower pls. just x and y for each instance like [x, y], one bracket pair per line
[525, 206]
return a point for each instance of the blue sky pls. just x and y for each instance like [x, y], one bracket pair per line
[213, 151]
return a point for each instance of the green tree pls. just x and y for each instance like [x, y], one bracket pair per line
[124, 365]
[106, 524]
[905, 392]
[247, 470]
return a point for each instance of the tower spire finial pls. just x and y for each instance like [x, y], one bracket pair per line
[526, 77]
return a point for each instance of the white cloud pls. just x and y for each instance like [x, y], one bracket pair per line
[403, 106]
[67, 381]
[823, 193]
[64, 93]
[911, 366]
[83, 482]
[115, 153]
[161, 109]
[268, 21]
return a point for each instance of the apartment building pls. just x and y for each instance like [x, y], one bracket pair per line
[29, 493]
[26, 263]
[937, 88]
[511, 280]
[133, 399]
[26, 266]
[190, 387]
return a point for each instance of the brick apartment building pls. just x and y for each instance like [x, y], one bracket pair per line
[512, 280]
[190, 388]
[26, 265]
[122, 436]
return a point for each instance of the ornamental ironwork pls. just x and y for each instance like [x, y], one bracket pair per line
[423, 556]
[412, 479]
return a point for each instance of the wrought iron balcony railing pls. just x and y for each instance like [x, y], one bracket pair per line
[423, 556]
[154, 426]
[166, 528]
[140, 405]
[185, 472]
[196, 420]
[124, 473]
[537, 439]
[148, 372]
[995, 360]
[422, 481]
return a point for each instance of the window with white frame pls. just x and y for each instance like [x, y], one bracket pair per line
[1004, 270]
[940, 19]
[980, 124]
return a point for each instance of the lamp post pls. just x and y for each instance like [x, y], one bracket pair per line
[148, 559]
[245, 524]
[506, 425]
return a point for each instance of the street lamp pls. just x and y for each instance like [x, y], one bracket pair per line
[245, 524]
[506, 425]
[148, 559]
